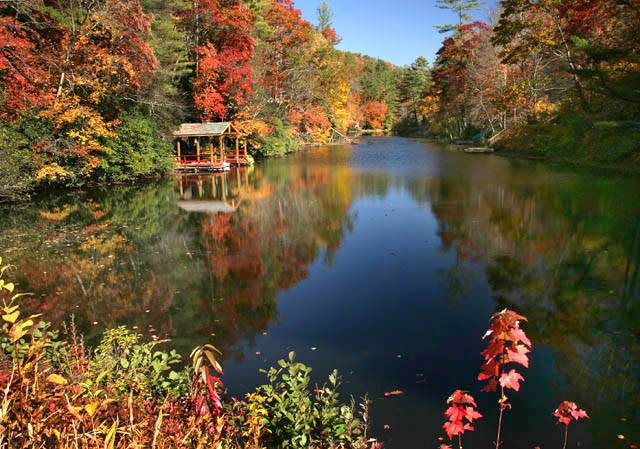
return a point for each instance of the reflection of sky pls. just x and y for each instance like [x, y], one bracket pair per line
[383, 297]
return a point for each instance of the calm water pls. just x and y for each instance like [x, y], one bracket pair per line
[388, 258]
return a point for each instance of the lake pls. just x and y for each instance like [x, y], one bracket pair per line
[384, 260]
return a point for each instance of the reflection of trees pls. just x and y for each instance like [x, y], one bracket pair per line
[266, 246]
[562, 254]
[135, 255]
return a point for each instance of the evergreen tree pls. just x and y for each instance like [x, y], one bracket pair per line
[325, 17]
[461, 8]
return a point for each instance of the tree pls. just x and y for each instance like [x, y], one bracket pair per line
[325, 17]
[23, 76]
[414, 84]
[461, 8]
[224, 75]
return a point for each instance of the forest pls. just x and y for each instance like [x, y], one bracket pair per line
[91, 90]
[556, 79]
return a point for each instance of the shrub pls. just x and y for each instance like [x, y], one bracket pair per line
[298, 418]
[279, 143]
[136, 150]
[128, 393]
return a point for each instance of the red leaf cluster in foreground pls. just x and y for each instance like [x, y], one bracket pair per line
[569, 411]
[508, 344]
[462, 407]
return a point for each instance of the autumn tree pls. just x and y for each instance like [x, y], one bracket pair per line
[224, 48]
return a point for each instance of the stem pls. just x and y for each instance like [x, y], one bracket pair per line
[500, 419]
[460, 441]
[566, 436]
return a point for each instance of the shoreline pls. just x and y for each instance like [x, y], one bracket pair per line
[622, 168]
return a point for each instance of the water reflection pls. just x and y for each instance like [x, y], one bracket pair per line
[392, 247]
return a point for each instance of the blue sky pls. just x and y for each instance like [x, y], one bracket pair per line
[395, 30]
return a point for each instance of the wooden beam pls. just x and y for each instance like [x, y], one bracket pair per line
[237, 150]
[198, 149]
[178, 144]
[211, 149]
[221, 148]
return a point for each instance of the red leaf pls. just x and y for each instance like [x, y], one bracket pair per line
[518, 354]
[511, 380]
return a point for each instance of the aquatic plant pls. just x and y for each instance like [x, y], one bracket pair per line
[567, 412]
[508, 344]
[460, 415]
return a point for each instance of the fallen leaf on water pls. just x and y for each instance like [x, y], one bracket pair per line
[633, 446]
[258, 353]
[394, 393]
[621, 437]
[387, 427]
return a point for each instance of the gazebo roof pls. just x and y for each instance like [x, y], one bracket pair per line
[202, 129]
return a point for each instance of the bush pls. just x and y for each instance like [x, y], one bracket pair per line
[575, 137]
[279, 143]
[19, 142]
[297, 418]
[136, 151]
[128, 393]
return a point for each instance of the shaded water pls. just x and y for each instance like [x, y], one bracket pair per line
[387, 258]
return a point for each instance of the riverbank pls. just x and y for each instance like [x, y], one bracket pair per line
[128, 392]
[576, 140]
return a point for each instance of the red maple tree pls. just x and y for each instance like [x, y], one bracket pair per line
[567, 412]
[460, 415]
[224, 77]
[508, 344]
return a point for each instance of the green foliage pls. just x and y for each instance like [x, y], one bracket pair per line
[123, 362]
[461, 8]
[573, 136]
[279, 143]
[299, 418]
[324, 16]
[18, 164]
[136, 151]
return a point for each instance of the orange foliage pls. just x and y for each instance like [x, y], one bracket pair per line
[374, 113]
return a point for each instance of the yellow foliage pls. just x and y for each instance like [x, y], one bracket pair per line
[57, 214]
[340, 106]
[52, 173]
[544, 107]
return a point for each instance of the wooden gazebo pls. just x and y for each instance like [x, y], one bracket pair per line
[209, 146]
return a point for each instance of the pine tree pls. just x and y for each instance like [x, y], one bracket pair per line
[325, 17]
[461, 8]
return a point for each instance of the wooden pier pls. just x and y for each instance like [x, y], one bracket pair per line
[209, 147]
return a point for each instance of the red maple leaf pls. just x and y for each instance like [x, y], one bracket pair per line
[511, 380]
[518, 354]
[569, 411]
[460, 414]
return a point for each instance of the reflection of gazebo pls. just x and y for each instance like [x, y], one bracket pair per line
[204, 146]
[214, 193]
